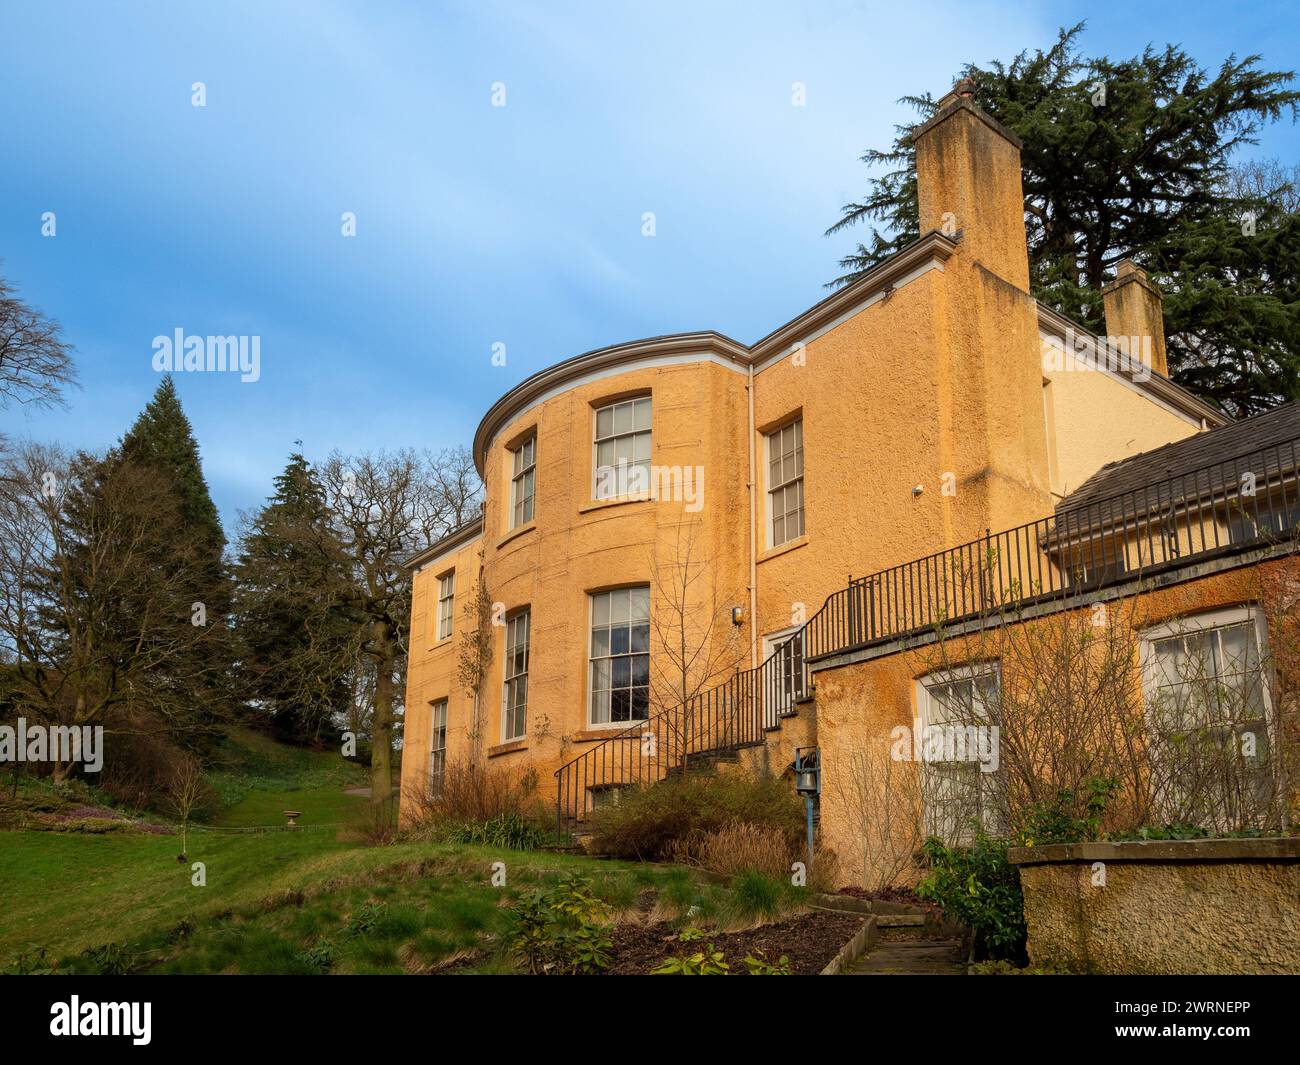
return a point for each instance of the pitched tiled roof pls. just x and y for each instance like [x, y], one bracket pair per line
[1265, 445]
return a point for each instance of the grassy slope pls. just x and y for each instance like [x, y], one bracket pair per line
[307, 901]
[67, 891]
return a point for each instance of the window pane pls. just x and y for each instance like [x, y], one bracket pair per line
[618, 640]
[604, 422]
[642, 415]
[622, 672]
[623, 418]
[618, 606]
[600, 609]
[620, 705]
[639, 603]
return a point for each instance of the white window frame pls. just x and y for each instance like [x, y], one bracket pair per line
[523, 482]
[928, 708]
[770, 440]
[446, 605]
[784, 705]
[633, 433]
[1226, 617]
[437, 754]
[513, 681]
[592, 723]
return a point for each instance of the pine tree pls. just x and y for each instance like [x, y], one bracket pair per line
[162, 441]
[1134, 158]
[294, 634]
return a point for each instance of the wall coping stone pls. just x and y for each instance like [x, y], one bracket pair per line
[1262, 849]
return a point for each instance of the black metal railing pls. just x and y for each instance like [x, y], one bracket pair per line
[1221, 508]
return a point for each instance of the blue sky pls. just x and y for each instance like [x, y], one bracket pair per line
[475, 225]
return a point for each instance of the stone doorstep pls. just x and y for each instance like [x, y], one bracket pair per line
[1266, 849]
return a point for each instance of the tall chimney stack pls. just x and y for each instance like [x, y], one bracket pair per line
[968, 180]
[1134, 308]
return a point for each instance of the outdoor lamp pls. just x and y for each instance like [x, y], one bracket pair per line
[807, 777]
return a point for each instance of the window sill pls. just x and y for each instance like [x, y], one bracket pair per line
[595, 734]
[785, 548]
[507, 748]
[615, 501]
[517, 531]
[441, 645]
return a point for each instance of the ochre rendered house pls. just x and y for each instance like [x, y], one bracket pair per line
[925, 406]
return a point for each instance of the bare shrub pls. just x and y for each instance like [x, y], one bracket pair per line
[1179, 724]
[883, 798]
[740, 847]
[470, 793]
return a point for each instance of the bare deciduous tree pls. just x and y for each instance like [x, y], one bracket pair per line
[35, 363]
[185, 791]
[384, 508]
[694, 645]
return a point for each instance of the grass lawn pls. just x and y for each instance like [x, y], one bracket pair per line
[111, 897]
[328, 805]
[280, 901]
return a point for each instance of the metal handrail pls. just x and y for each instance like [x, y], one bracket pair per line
[1161, 525]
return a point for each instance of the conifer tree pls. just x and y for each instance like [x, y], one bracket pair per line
[294, 633]
[162, 441]
[1137, 158]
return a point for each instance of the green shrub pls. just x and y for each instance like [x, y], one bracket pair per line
[758, 965]
[510, 830]
[1067, 818]
[754, 895]
[977, 886]
[562, 929]
[706, 962]
[648, 824]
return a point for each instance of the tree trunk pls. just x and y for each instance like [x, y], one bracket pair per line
[381, 720]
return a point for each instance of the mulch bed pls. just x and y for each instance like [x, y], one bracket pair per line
[809, 940]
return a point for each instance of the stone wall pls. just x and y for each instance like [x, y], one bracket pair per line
[1170, 907]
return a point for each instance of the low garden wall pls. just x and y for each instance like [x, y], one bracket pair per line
[1186, 906]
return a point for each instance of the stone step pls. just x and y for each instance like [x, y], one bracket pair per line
[900, 920]
[918, 957]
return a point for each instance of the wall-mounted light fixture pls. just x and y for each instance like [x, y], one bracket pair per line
[738, 615]
[918, 489]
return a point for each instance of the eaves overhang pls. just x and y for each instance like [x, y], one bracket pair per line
[453, 541]
[924, 253]
[1150, 382]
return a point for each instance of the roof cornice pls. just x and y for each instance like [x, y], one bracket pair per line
[457, 538]
[1156, 385]
[539, 384]
[934, 246]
